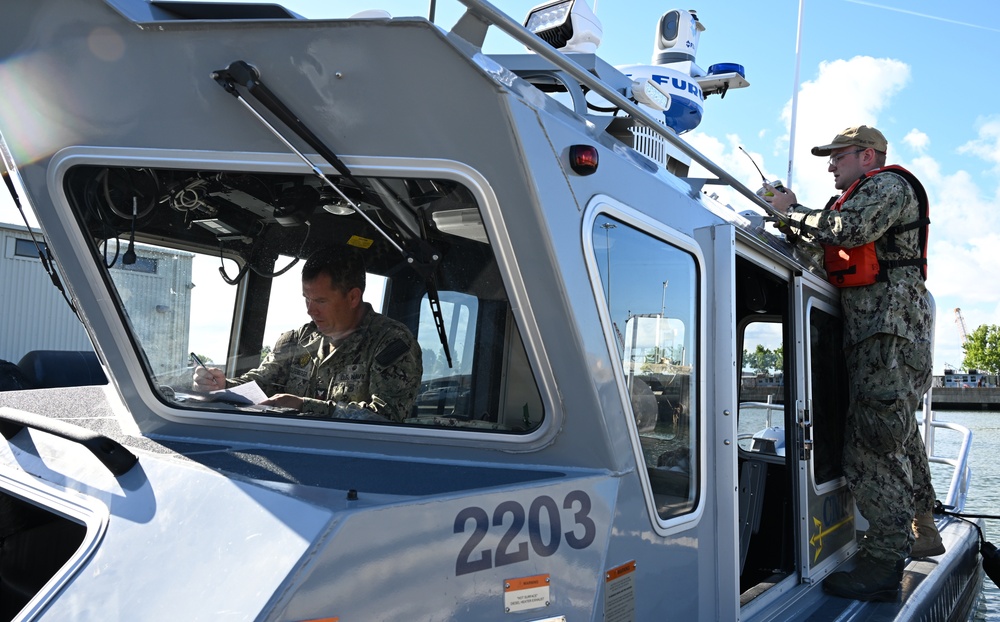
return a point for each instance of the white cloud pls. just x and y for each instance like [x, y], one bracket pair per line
[964, 249]
[987, 146]
[917, 140]
[844, 93]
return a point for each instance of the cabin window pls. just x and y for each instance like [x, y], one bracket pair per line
[209, 262]
[651, 291]
[828, 371]
[761, 424]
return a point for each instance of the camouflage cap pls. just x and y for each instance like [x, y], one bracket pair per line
[862, 136]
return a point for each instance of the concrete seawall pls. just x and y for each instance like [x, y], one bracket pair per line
[942, 398]
[972, 398]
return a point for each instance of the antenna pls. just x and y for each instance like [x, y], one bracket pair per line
[754, 163]
[763, 192]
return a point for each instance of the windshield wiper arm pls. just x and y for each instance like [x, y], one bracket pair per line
[48, 263]
[424, 261]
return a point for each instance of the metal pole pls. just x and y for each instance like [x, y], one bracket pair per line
[795, 96]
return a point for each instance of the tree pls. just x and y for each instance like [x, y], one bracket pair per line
[982, 349]
[761, 359]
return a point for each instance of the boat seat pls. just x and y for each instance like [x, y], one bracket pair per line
[753, 477]
[47, 369]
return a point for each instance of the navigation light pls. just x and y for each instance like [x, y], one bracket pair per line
[583, 159]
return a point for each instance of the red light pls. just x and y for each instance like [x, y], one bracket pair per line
[583, 159]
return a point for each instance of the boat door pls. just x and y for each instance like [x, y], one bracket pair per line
[795, 514]
[821, 393]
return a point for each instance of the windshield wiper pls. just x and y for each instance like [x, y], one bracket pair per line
[416, 251]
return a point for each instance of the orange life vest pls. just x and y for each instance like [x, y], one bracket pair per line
[853, 267]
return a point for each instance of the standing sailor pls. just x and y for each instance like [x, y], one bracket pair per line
[874, 241]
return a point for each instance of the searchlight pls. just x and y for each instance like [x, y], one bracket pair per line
[567, 25]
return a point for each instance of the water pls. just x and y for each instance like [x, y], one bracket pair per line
[984, 493]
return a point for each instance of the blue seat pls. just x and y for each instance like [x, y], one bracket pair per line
[47, 369]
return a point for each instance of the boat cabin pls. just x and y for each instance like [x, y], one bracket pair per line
[580, 446]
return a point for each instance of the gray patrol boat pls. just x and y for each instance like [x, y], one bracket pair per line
[582, 445]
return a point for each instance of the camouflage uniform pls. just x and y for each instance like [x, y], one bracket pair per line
[373, 374]
[888, 342]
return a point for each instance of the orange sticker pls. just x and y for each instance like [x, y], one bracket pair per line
[525, 583]
[620, 571]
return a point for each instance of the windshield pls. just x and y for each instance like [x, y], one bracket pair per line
[248, 275]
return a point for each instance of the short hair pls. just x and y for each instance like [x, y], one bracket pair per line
[344, 265]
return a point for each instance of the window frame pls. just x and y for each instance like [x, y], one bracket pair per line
[604, 205]
[93, 516]
[816, 303]
[132, 371]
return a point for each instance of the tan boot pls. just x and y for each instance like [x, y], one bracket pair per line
[928, 540]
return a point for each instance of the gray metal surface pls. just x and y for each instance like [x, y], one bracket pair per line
[287, 518]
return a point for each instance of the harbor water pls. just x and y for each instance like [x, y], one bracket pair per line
[984, 494]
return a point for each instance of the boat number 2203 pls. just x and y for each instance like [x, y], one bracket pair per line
[511, 549]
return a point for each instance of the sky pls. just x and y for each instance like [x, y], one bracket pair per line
[916, 69]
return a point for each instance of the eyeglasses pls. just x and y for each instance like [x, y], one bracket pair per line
[835, 159]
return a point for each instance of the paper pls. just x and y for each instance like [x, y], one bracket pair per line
[247, 393]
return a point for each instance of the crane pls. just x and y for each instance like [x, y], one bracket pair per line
[960, 321]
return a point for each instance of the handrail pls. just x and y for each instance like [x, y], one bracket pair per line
[489, 13]
[958, 488]
[961, 475]
[767, 406]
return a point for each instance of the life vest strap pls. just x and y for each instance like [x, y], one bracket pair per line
[888, 264]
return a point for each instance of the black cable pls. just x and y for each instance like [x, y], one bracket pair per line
[940, 508]
[249, 262]
[988, 551]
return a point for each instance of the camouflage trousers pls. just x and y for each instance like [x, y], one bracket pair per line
[884, 457]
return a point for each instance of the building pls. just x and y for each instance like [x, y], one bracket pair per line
[33, 315]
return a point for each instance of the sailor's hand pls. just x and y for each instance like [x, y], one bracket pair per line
[284, 400]
[780, 198]
[208, 379]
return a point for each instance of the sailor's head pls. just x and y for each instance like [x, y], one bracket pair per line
[333, 282]
[852, 153]
[344, 265]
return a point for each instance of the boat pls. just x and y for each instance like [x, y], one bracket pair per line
[579, 448]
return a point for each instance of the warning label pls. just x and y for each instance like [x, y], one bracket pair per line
[619, 593]
[526, 593]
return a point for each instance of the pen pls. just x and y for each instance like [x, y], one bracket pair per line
[198, 361]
